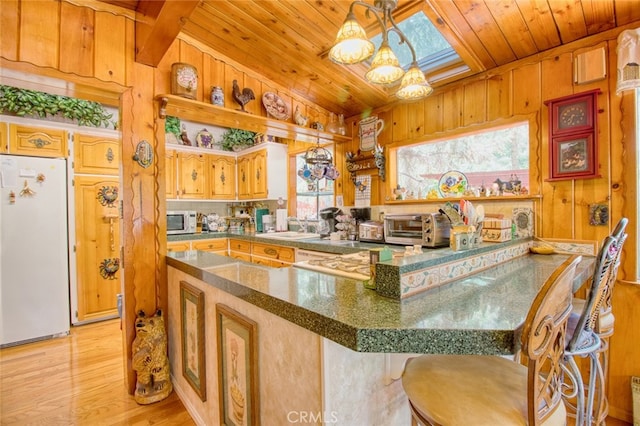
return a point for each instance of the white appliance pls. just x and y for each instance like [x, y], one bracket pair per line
[34, 256]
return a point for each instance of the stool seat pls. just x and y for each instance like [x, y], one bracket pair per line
[489, 390]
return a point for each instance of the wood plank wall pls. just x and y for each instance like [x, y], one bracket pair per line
[520, 90]
[35, 39]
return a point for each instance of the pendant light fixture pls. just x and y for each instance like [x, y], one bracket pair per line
[352, 46]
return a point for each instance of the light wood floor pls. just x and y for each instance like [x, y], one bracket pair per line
[79, 380]
[76, 380]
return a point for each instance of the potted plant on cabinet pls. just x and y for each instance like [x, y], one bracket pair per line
[31, 103]
[172, 129]
[237, 139]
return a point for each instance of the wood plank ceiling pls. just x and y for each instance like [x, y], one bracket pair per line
[287, 40]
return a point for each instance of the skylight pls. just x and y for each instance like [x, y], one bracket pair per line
[432, 50]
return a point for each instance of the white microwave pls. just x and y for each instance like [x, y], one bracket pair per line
[181, 222]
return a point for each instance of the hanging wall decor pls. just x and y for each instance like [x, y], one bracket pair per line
[107, 195]
[144, 154]
[109, 267]
[573, 144]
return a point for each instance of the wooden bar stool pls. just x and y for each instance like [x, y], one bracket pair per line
[475, 390]
[598, 316]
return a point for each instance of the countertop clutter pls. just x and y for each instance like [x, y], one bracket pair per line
[476, 314]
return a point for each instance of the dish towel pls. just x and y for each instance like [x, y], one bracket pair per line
[363, 191]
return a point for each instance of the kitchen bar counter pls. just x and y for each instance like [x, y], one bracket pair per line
[478, 314]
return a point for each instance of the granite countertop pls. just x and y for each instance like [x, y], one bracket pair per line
[478, 314]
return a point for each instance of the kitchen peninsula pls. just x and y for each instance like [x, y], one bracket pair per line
[328, 345]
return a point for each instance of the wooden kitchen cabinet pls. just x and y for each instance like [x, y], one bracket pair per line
[213, 245]
[186, 175]
[192, 175]
[222, 177]
[173, 246]
[37, 141]
[97, 247]
[4, 144]
[262, 172]
[96, 155]
[171, 179]
[244, 177]
[272, 255]
[240, 249]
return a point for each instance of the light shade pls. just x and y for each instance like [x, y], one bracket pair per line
[385, 67]
[352, 45]
[414, 85]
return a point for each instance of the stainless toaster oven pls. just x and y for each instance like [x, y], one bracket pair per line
[426, 229]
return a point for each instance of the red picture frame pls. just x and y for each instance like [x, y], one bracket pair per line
[573, 157]
[573, 142]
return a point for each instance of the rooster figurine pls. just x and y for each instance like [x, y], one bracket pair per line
[301, 120]
[242, 97]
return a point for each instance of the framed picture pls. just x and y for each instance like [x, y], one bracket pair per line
[573, 157]
[237, 368]
[193, 345]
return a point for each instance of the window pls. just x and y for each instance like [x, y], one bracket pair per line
[483, 157]
[433, 52]
[312, 194]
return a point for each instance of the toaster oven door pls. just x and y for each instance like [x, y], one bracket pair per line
[403, 229]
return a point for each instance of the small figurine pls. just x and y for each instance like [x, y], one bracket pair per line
[242, 97]
[184, 137]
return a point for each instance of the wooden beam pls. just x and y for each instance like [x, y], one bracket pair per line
[158, 23]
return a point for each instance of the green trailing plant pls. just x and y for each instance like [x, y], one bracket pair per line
[172, 125]
[237, 139]
[31, 103]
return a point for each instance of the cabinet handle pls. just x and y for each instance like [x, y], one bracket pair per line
[112, 235]
[194, 175]
[222, 177]
[258, 174]
[270, 251]
[109, 155]
[39, 142]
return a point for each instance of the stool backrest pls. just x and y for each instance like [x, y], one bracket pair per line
[543, 341]
[620, 237]
[603, 270]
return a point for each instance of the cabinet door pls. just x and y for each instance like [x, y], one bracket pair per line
[259, 174]
[173, 246]
[192, 169]
[96, 155]
[240, 245]
[244, 177]
[27, 140]
[214, 245]
[4, 144]
[171, 190]
[222, 177]
[273, 252]
[97, 226]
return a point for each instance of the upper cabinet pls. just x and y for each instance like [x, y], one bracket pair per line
[186, 175]
[201, 112]
[222, 177]
[4, 146]
[96, 155]
[29, 140]
[260, 172]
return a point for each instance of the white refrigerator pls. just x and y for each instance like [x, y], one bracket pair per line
[34, 256]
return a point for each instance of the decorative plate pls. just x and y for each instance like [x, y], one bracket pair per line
[275, 106]
[204, 139]
[523, 219]
[452, 184]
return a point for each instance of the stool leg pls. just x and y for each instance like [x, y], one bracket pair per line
[575, 389]
[596, 389]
